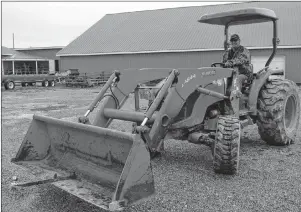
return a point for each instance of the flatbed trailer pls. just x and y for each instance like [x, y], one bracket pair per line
[11, 81]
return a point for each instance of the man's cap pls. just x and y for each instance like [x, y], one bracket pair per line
[234, 37]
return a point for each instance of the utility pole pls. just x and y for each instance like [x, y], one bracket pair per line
[13, 41]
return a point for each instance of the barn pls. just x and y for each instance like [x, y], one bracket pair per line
[173, 38]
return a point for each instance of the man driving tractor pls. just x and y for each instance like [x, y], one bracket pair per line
[238, 56]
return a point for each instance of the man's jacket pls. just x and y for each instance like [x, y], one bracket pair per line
[241, 58]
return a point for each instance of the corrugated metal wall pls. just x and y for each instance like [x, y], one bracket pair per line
[157, 60]
[94, 64]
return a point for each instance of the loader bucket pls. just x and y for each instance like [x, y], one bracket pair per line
[107, 168]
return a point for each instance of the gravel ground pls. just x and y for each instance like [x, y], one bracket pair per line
[269, 178]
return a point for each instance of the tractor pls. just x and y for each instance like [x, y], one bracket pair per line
[112, 169]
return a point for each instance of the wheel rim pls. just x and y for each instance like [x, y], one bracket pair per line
[46, 83]
[10, 85]
[290, 113]
[52, 83]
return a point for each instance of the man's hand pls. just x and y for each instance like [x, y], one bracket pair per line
[228, 64]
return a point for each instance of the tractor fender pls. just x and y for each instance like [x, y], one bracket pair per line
[257, 84]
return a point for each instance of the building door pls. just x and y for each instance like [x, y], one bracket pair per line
[259, 62]
[51, 67]
[57, 66]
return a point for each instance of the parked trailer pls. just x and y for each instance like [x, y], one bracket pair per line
[11, 81]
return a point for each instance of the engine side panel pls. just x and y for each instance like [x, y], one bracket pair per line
[196, 112]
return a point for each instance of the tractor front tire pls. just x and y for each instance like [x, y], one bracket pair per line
[226, 146]
[278, 112]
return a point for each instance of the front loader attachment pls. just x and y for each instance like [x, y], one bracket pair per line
[105, 167]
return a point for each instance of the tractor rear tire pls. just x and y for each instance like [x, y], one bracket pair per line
[278, 112]
[226, 146]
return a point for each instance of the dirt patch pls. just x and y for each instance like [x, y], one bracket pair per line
[48, 108]
[22, 116]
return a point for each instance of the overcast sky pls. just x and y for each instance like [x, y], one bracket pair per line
[43, 24]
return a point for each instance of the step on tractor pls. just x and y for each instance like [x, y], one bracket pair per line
[112, 169]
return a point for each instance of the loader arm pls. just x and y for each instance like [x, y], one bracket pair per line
[129, 79]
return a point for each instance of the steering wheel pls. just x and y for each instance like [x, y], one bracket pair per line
[220, 64]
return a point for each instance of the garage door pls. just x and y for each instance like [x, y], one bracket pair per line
[259, 63]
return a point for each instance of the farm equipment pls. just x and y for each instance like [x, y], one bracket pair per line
[112, 169]
[75, 79]
[72, 78]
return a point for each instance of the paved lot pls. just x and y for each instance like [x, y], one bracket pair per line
[269, 177]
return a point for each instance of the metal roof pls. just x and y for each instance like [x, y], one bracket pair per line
[40, 48]
[178, 29]
[16, 55]
[6, 51]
